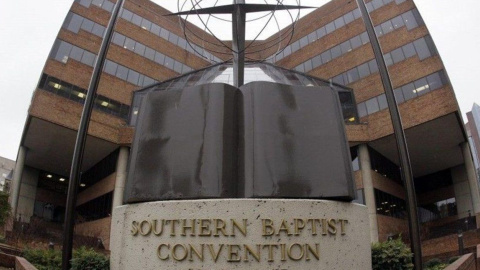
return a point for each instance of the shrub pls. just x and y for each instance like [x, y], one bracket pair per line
[44, 259]
[392, 254]
[5, 208]
[435, 264]
[453, 259]
[89, 259]
[83, 259]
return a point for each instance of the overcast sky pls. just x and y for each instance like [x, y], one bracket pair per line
[28, 29]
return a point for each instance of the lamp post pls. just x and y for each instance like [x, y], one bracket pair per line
[405, 166]
[81, 140]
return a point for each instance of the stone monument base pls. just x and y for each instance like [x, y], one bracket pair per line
[263, 234]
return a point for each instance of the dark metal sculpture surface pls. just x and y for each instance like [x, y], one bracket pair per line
[215, 141]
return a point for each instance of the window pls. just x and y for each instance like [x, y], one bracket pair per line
[146, 24]
[372, 105]
[149, 53]
[159, 58]
[76, 53]
[74, 23]
[87, 25]
[409, 20]
[382, 101]
[88, 58]
[110, 67]
[303, 41]
[129, 44]
[139, 48]
[321, 32]
[363, 70]
[399, 95]
[98, 30]
[330, 27]
[356, 42]
[122, 72]
[339, 22]
[421, 86]
[155, 29]
[422, 49]
[397, 55]
[118, 39]
[408, 50]
[133, 77]
[137, 20]
[127, 15]
[346, 47]
[326, 57]
[408, 91]
[336, 52]
[362, 109]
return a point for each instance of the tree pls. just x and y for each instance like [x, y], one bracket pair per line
[5, 208]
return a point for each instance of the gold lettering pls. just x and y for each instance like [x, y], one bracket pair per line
[313, 225]
[159, 252]
[174, 252]
[249, 250]
[191, 227]
[243, 229]
[324, 226]
[220, 226]
[270, 250]
[154, 225]
[342, 225]
[147, 232]
[267, 225]
[290, 254]
[172, 226]
[134, 230]
[233, 254]
[332, 226]
[283, 252]
[284, 228]
[315, 253]
[199, 254]
[212, 251]
[299, 225]
[205, 227]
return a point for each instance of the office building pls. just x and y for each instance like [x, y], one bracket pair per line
[329, 43]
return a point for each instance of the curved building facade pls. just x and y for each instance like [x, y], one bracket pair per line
[329, 43]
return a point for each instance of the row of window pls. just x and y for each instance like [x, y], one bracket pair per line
[75, 22]
[329, 28]
[411, 90]
[152, 27]
[77, 94]
[354, 43]
[62, 51]
[389, 205]
[150, 53]
[104, 4]
[422, 47]
[333, 53]
[167, 35]
[411, 19]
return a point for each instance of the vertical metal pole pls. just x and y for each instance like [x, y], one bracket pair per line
[238, 44]
[405, 166]
[81, 140]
